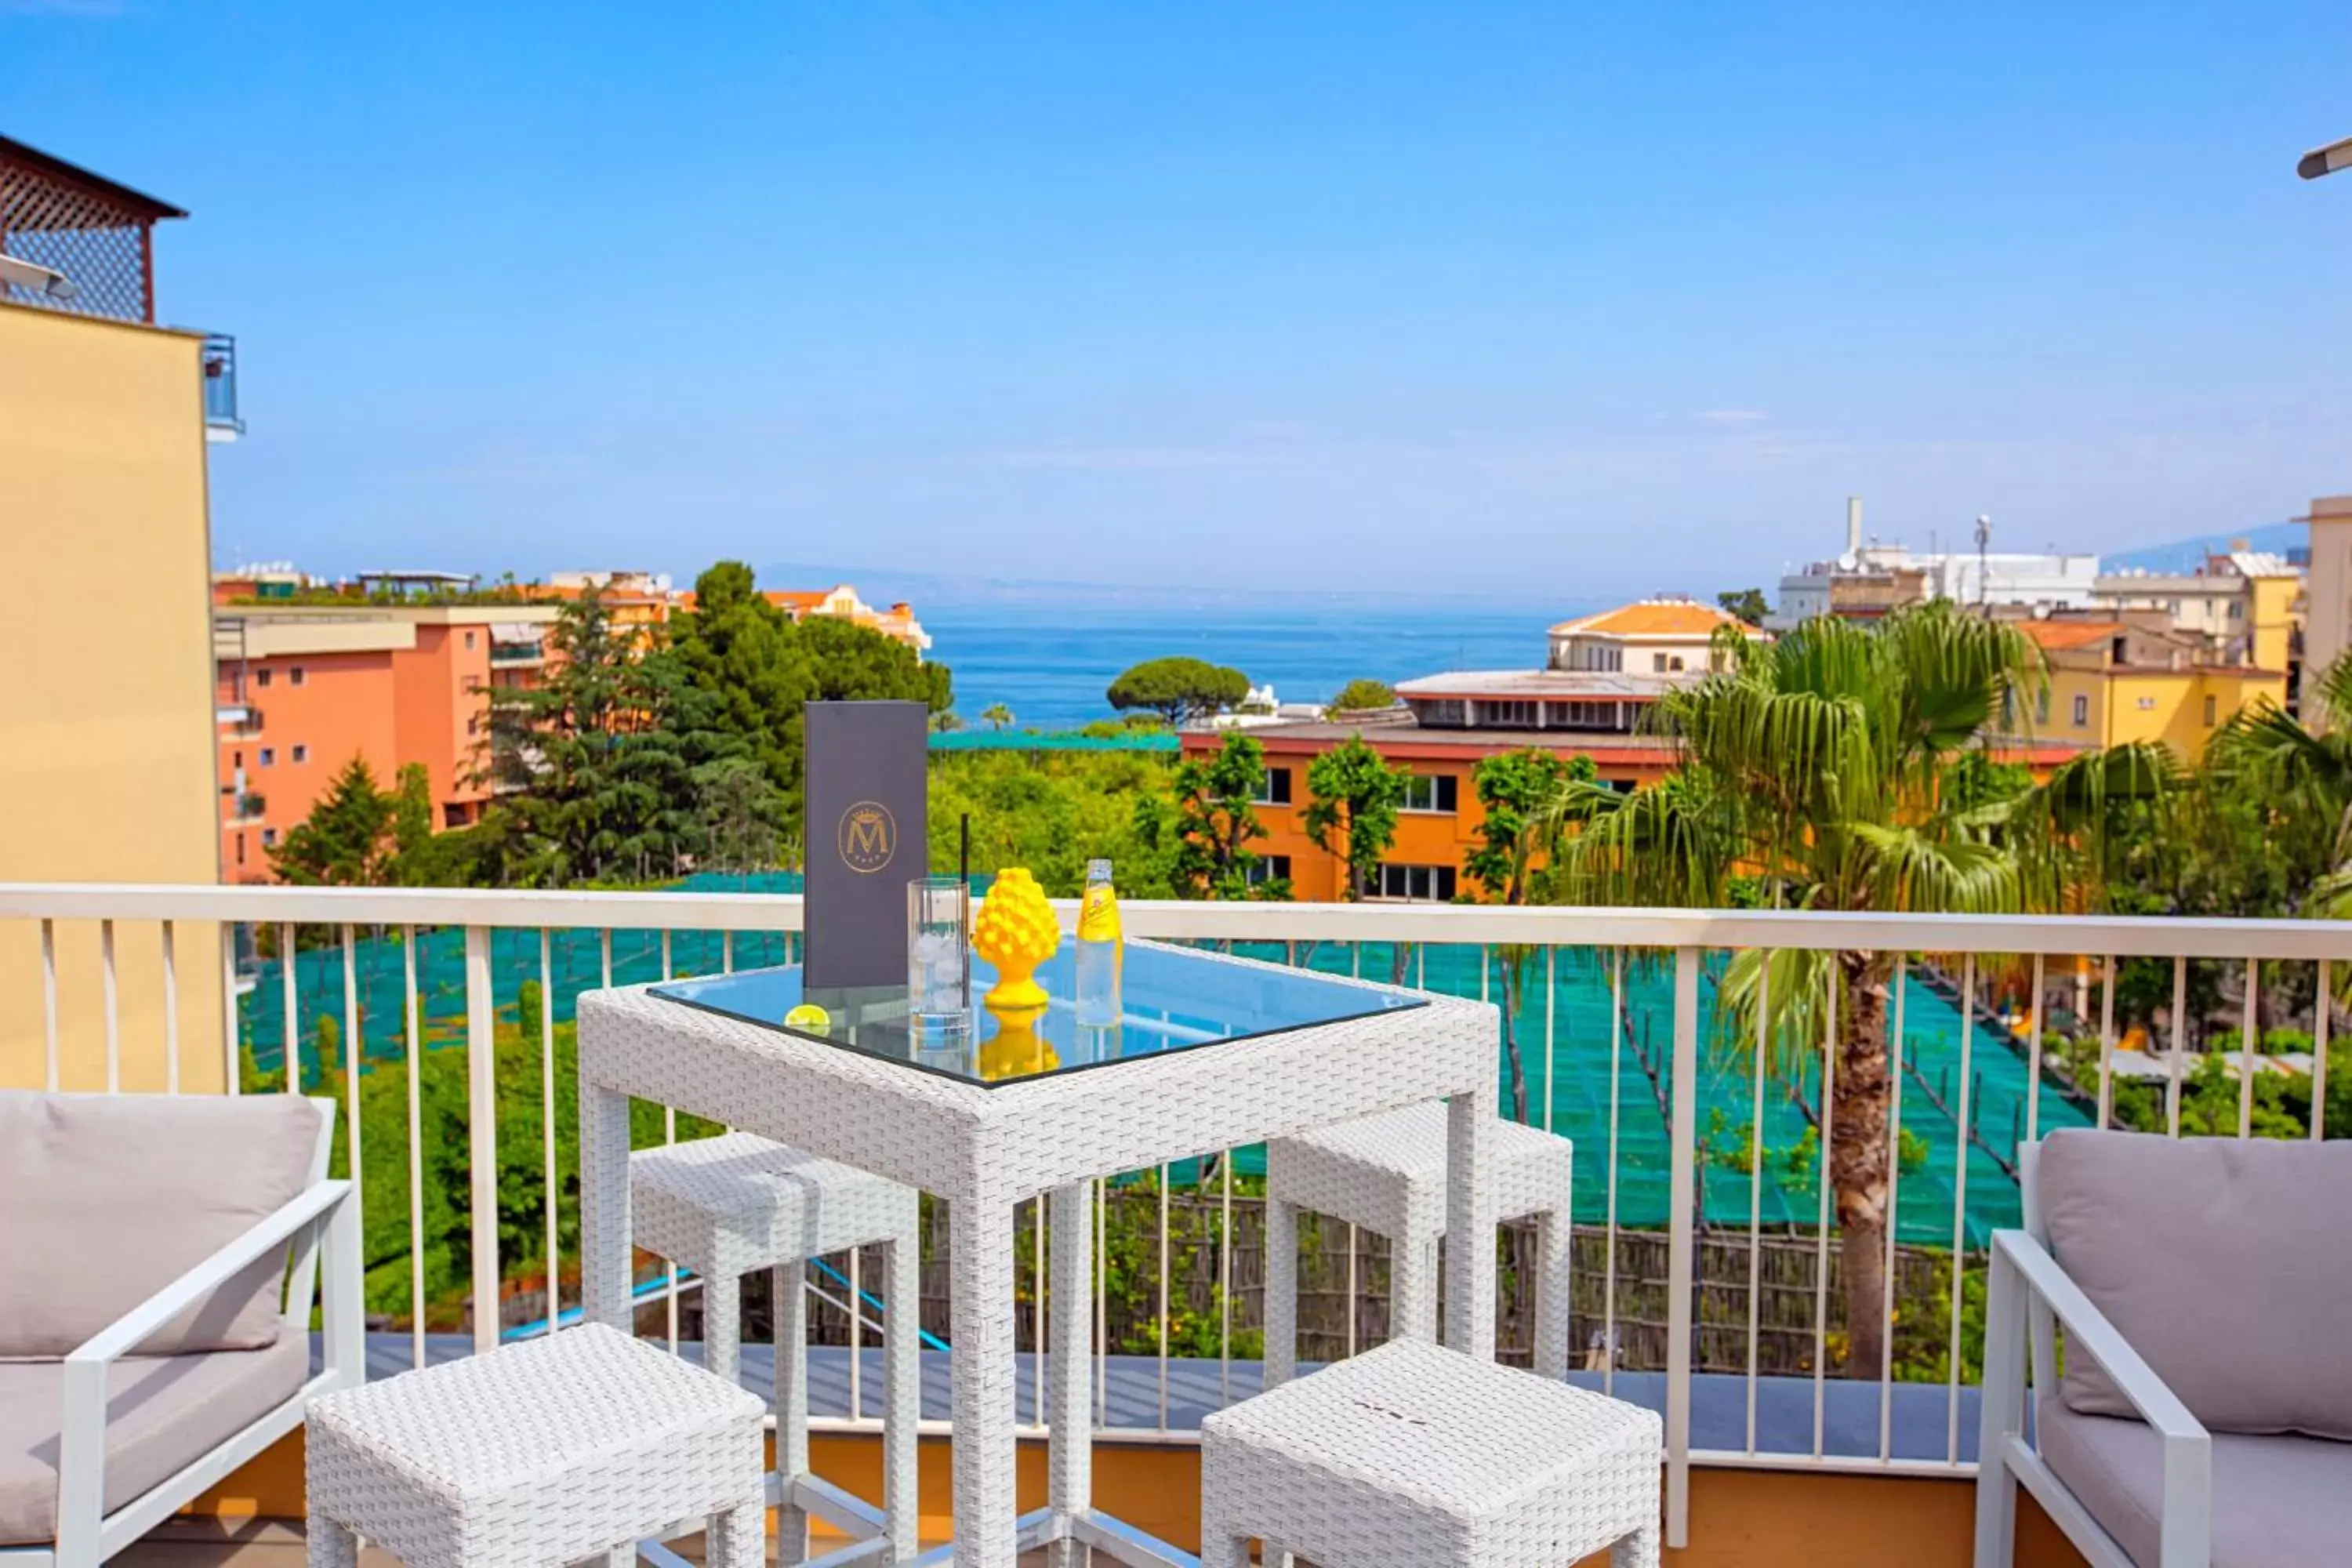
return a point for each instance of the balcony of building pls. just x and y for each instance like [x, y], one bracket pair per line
[1706, 1254]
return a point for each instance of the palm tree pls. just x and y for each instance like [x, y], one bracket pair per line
[2304, 774]
[996, 716]
[1820, 773]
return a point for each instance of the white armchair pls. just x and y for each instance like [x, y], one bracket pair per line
[2201, 1413]
[154, 1333]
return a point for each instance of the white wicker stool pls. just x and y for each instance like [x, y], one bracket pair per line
[729, 1205]
[535, 1455]
[1387, 1174]
[1413, 1456]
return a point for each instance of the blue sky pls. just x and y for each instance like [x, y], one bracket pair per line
[1522, 301]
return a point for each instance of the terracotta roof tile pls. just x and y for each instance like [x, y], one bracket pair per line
[1652, 618]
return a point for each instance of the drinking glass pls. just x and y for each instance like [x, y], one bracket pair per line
[938, 956]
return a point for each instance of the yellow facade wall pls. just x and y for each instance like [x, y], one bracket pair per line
[107, 738]
[2270, 611]
[2122, 706]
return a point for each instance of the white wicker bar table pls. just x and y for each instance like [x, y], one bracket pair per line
[1411, 1456]
[1214, 1053]
[535, 1455]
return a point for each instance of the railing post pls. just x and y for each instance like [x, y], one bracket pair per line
[1681, 1245]
[482, 1123]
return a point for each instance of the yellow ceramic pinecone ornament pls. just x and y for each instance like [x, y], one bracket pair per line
[1017, 931]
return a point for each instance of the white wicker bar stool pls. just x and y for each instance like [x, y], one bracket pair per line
[729, 1205]
[1387, 1174]
[534, 1455]
[1413, 1456]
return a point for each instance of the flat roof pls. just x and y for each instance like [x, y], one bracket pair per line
[1556, 684]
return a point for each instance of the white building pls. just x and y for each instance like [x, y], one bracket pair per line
[1671, 635]
[1870, 579]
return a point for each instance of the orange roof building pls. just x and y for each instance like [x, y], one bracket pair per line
[1669, 634]
[840, 603]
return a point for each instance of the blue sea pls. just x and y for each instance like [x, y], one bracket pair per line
[1052, 664]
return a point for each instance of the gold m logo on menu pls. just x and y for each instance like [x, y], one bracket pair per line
[868, 836]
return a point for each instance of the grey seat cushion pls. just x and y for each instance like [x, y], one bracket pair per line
[2226, 1265]
[111, 1197]
[2278, 1502]
[163, 1413]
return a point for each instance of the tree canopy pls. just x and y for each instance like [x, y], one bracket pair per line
[1362, 696]
[1180, 690]
[1351, 811]
[1748, 604]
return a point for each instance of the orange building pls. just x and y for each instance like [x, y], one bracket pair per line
[1607, 671]
[300, 691]
[840, 603]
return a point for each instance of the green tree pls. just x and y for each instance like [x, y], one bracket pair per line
[1208, 836]
[742, 814]
[1052, 813]
[348, 838]
[1747, 603]
[1363, 696]
[1521, 794]
[996, 716]
[603, 778]
[1817, 767]
[751, 671]
[2292, 784]
[1351, 812]
[1515, 788]
[1179, 689]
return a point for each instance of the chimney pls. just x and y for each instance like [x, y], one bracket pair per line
[1853, 525]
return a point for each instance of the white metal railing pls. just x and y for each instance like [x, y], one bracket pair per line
[1753, 1416]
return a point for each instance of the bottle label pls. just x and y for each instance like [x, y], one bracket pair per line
[1098, 916]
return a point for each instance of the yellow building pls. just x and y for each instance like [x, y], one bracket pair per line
[106, 750]
[2112, 681]
[2245, 606]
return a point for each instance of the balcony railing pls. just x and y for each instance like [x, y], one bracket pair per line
[1709, 1281]
[221, 420]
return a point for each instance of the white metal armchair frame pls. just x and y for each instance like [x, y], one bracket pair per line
[324, 1218]
[2028, 1295]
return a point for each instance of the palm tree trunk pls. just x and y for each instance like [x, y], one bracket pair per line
[1860, 1160]
[1511, 1042]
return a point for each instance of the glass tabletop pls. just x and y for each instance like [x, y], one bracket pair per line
[1170, 1001]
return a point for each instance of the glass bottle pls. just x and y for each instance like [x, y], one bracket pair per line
[1097, 1004]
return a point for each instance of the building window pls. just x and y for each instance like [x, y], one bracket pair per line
[1273, 788]
[2082, 712]
[295, 676]
[302, 753]
[469, 642]
[2237, 611]
[1507, 715]
[1658, 663]
[1450, 714]
[456, 813]
[2147, 704]
[1267, 869]
[1424, 883]
[2212, 707]
[268, 837]
[240, 848]
[236, 761]
[269, 757]
[2041, 706]
[1431, 792]
[261, 676]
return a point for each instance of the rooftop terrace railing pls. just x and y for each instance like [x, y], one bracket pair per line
[1709, 1269]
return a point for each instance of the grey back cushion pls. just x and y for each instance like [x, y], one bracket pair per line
[106, 1199]
[2226, 1265]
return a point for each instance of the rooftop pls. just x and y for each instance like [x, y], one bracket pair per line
[1674, 617]
[1555, 684]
